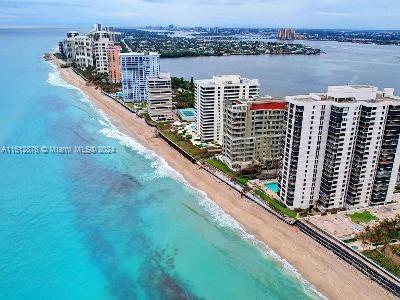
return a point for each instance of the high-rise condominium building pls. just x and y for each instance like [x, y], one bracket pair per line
[114, 68]
[90, 50]
[68, 46]
[253, 132]
[341, 148]
[77, 49]
[72, 34]
[160, 97]
[101, 42]
[61, 48]
[97, 27]
[83, 51]
[286, 34]
[135, 68]
[105, 31]
[209, 97]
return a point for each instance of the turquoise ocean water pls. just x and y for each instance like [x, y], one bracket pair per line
[116, 226]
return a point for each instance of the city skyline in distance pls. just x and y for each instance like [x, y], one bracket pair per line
[324, 14]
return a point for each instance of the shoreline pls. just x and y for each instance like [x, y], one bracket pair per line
[322, 269]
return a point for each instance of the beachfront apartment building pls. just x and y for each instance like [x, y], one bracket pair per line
[135, 69]
[253, 132]
[100, 48]
[210, 95]
[77, 49]
[89, 50]
[101, 40]
[341, 149]
[160, 97]
[67, 46]
[83, 51]
[105, 32]
[114, 68]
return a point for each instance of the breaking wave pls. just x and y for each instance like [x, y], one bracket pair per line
[54, 78]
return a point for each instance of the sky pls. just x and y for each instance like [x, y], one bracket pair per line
[333, 14]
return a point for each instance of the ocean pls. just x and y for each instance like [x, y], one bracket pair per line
[122, 225]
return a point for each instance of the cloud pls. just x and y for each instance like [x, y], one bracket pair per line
[334, 14]
[156, 1]
[31, 4]
[356, 14]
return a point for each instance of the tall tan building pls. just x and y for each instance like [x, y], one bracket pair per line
[160, 97]
[253, 132]
[114, 67]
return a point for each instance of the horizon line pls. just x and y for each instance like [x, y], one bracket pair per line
[10, 26]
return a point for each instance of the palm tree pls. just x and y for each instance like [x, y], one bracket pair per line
[385, 240]
[367, 235]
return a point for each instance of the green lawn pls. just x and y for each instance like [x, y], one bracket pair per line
[220, 166]
[242, 180]
[194, 151]
[275, 204]
[383, 261]
[362, 217]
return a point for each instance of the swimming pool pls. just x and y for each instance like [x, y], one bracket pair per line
[187, 114]
[273, 186]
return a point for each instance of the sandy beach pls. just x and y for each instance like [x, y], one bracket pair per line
[332, 277]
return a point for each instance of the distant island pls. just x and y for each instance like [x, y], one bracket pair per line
[170, 44]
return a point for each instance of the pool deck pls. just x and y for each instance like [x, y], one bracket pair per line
[262, 185]
[195, 139]
[340, 225]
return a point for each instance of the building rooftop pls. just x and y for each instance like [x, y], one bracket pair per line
[350, 93]
[262, 103]
[164, 76]
[140, 54]
[227, 80]
[80, 37]
[268, 105]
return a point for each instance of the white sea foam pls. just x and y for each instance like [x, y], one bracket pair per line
[54, 78]
[162, 169]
